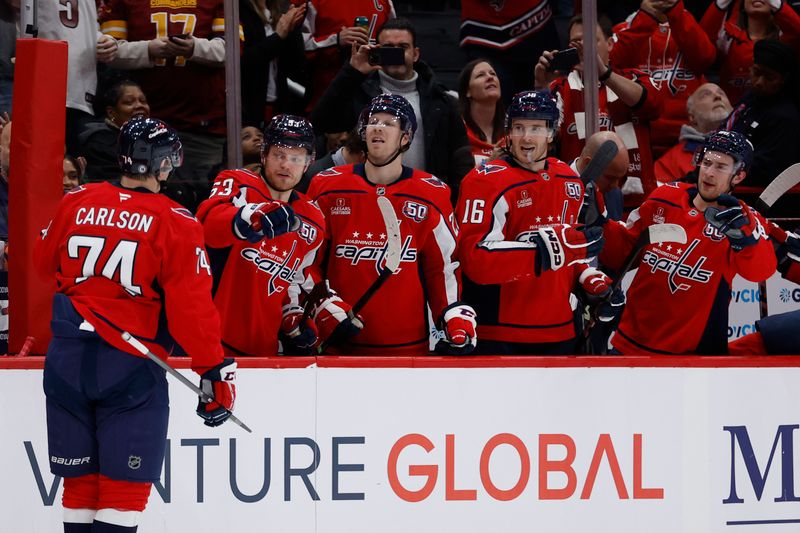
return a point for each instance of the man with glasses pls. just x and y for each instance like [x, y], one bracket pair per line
[394, 321]
[262, 236]
[519, 248]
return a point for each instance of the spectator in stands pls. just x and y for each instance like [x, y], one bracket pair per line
[736, 33]
[481, 108]
[768, 113]
[329, 32]
[608, 183]
[8, 40]
[664, 40]
[273, 50]
[73, 172]
[98, 141]
[252, 138]
[5, 158]
[511, 35]
[440, 146]
[707, 108]
[176, 52]
[350, 152]
[627, 101]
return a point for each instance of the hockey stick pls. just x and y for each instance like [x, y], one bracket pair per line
[777, 188]
[142, 349]
[391, 259]
[599, 162]
[657, 233]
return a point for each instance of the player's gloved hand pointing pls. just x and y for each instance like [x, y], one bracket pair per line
[565, 245]
[265, 220]
[458, 324]
[220, 383]
[734, 220]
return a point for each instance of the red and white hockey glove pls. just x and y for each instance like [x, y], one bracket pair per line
[218, 382]
[788, 255]
[594, 283]
[458, 324]
[735, 220]
[335, 320]
[298, 331]
[266, 220]
[565, 245]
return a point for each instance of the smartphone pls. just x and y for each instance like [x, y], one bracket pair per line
[178, 36]
[387, 56]
[564, 60]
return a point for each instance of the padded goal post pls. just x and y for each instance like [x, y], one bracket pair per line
[35, 182]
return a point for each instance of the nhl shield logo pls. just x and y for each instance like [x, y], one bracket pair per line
[380, 191]
[134, 462]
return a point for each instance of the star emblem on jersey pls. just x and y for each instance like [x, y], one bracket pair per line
[134, 462]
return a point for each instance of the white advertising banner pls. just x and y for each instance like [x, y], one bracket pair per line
[383, 450]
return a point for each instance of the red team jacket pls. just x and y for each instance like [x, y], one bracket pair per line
[252, 280]
[188, 95]
[501, 24]
[675, 55]
[630, 124]
[123, 257]
[396, 317]
[678, 300]
[736, 48]
[499, 206]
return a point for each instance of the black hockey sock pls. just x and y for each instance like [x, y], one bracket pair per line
[104, 527]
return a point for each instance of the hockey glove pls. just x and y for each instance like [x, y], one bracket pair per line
[266, 220]
[298, 331]
[593, 211]
[611, 307]
[734, 220]
[458, 324]
[335, 321]
[218, 382]
[788, 255]
[562, 245]
[595, 284]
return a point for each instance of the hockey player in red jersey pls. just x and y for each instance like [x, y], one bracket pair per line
[395, 320]
[263, 236]
[678, 300]
[518, 247]
[125, 259]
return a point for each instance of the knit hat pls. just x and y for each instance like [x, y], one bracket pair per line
[775, 55]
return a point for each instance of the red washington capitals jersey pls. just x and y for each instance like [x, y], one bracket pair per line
[396, 321]
[678, 300]
[630, 124]
[500, 205]
[252, 280]
[188, 95]
[501, 24]
[124, 256]
[674, 54]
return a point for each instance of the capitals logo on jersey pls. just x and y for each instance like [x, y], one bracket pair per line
[275, 263]
[366, 250]
[676, 265]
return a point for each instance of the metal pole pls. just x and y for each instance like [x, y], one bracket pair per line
[233, 93]
[590, 89]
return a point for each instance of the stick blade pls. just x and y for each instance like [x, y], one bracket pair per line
[658, 233]
[393, 243]
[600, 161]
[778, 187]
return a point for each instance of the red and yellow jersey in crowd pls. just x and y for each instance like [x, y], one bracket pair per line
[501, 24]
[630, 123]
[678, 300]
[124, 257]
[736, 47]
[188, 95]
[499, 207]
[674, 54]
[252, 280]
[396, 320]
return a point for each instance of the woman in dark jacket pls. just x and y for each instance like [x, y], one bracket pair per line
[273, 51]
